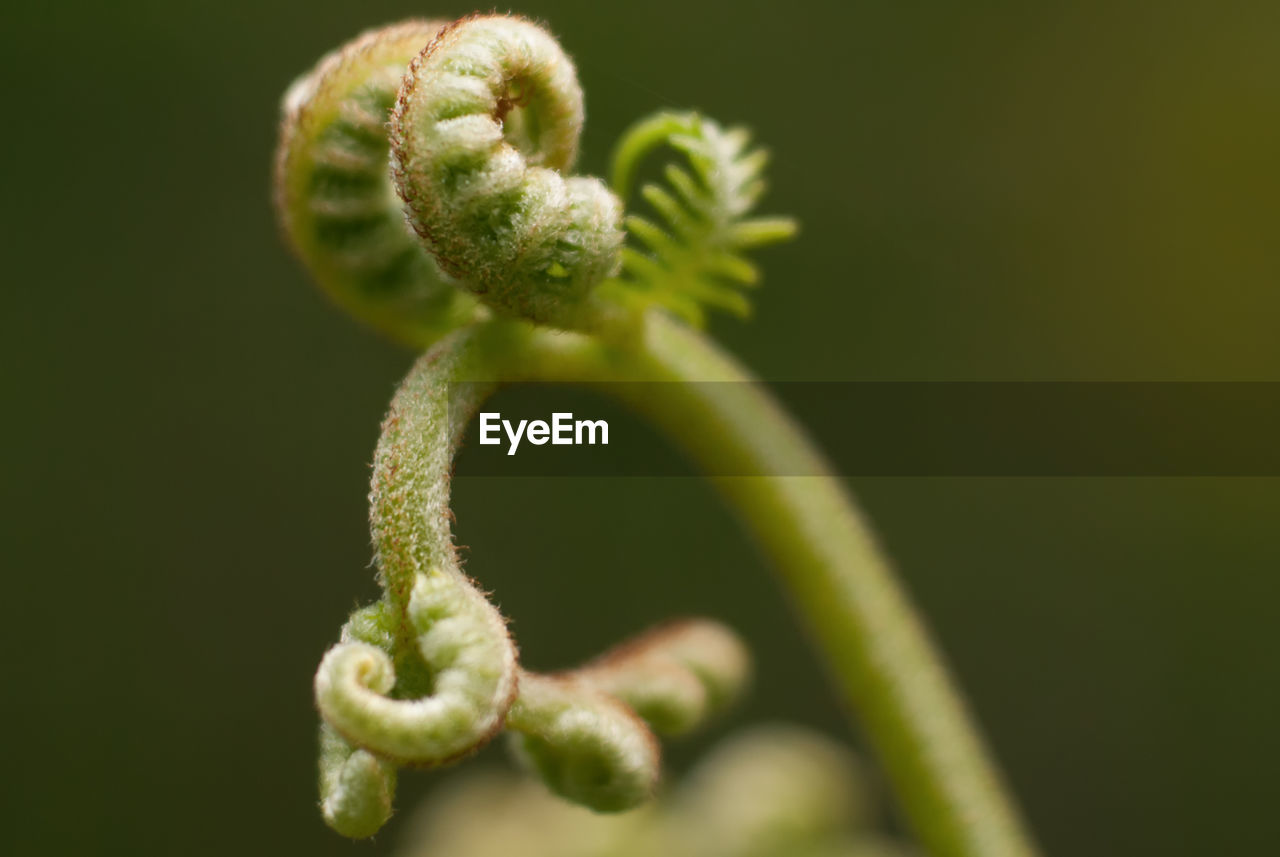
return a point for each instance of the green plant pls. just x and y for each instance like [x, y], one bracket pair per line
[514, 270]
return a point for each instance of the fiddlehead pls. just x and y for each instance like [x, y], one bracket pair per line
[429, 673]
[461, 642]
[334, 197]
[581, 731]
[486, 121]
[586, 745]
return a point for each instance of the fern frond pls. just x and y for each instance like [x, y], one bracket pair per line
[691, 254]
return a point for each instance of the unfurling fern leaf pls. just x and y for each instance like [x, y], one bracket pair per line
[695, 258]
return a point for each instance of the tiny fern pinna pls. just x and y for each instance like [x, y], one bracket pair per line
[424, 178]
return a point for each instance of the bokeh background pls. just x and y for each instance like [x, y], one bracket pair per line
[989, 190]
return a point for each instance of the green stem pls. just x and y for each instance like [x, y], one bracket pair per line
[875, 644]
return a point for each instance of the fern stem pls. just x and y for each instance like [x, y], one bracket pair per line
[875, 645]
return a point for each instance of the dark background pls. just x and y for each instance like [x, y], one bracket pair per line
[991, 190]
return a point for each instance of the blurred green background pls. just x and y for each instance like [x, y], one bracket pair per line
[991, 190]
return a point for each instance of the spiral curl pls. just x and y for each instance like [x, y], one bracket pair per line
[429, 673]
[462, 641]
[586, 732]
[586, 746]
[334, 197]
[487, 119]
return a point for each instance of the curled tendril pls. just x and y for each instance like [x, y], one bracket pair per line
[581, 731]
[429, 673]
[334, 196]
[462, 641]
[486, 121]
[586, 745]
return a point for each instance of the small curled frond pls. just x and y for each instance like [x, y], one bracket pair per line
[429, 673]
[695, 256]
[434, 638]
[584, 731]
[334, 196]
[486, 121]
[461, 642]
[585, 745]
